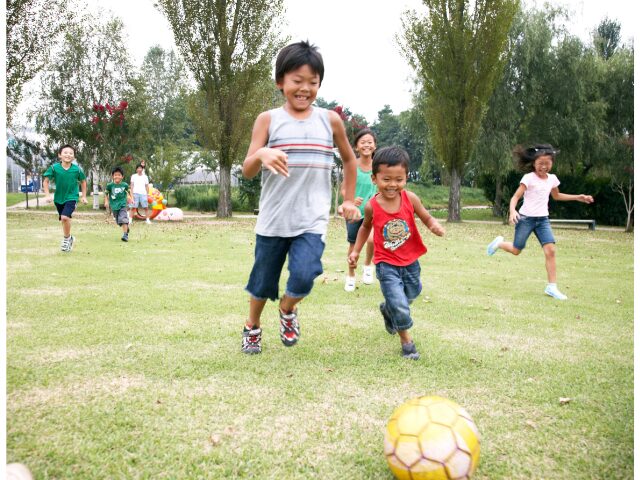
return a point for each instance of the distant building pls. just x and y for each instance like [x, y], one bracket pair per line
[15, 173]
[203, 175]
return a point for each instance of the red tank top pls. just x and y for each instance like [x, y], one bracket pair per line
[396, 239]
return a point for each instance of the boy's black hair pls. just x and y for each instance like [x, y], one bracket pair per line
[139, 166]
[117, 169]
[390, 156]
[297, 55]
[66, 145]
[526, 156]
[362, 133]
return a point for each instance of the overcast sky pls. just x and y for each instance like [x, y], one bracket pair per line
[363, 67]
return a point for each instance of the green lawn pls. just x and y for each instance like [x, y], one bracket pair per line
[123, 360]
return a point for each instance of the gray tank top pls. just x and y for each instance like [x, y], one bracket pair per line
[300, 203]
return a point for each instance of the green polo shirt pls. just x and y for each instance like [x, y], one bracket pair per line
[66, 182]
[117, 195]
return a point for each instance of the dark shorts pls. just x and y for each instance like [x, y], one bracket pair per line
[121, 216]
[540, 226]
[304, 252]
[352, 230]
[65, 209]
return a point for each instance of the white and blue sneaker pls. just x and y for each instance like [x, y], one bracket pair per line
[552, 290]
[493, 246]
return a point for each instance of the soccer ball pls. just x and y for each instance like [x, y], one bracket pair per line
[431, 438]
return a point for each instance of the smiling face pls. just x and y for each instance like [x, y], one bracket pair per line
[542, 165]
[366, 145]
[67, 155]
[117, 177]
[390, 180]
[300, 88]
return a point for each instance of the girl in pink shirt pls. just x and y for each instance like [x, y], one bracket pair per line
[536, 186]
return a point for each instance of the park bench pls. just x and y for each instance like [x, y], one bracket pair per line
[590, 223]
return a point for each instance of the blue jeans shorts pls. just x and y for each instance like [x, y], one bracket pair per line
[400, 286]
[121, 216]
[140, 200]
[352, 230]
[304, 251]
[65, 209]
[538, 225]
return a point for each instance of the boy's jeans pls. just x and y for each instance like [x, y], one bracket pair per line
[400, 286]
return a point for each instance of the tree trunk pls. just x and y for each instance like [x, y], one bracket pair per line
[224, 198]
[454, 197]
[96, 181]
[497, 201]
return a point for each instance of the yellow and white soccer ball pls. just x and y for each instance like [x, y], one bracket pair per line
[431, 438]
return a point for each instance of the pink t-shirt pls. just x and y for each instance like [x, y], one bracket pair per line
[536, 196]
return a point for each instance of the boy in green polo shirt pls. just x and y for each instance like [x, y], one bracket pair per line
[66, 175]
[117, 196]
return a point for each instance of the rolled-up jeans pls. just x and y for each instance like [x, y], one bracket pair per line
[400, 286]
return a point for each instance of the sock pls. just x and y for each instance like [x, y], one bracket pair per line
[552, 285]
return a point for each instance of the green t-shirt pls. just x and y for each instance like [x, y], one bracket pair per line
[66, 182]
[117, 195]
[365, 188]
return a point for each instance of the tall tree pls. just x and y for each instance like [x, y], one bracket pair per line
[228, 45]
[33, 26]
[606, 38]
[459, 51]
[33, 157]
[82, 95]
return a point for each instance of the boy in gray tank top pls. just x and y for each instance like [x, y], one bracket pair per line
[293, 148]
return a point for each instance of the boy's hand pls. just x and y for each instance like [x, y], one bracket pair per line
[340, 210]
[350, 212]
[358, 201]
[83, 199]
[437, 229]
[585, 198]
[275, 160]
[353, 259]
[514, 216]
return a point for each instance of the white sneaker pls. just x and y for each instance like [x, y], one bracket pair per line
[493, 246]
[367, 274]
[350, 284]
[552, 291]
[148, 221]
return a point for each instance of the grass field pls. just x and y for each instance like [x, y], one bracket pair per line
[123, 360]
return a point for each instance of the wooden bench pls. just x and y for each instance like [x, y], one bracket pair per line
[590, 223]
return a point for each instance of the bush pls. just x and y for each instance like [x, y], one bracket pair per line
[204, 198]
[608, 207]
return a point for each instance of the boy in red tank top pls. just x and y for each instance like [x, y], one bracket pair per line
[397, 242]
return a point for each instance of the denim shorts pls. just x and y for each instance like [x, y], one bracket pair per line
[65, 209]
[304, 251]
[352, 230]
[400, 286]
[140, 200]
[121, 216]
[538, 225]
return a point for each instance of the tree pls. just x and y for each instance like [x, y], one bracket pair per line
[32, 157]
[606, 38]
[33, 26]
[88, 79]
[228, 45]
[459, 53]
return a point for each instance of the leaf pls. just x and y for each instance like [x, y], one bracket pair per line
[214, 439]
[564, 400]
[531, 424]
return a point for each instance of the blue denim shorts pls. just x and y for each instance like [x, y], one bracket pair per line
[304, 251]
[400, 286]
[538, 225]
[65, 209]
[352, 230]
[140, 200]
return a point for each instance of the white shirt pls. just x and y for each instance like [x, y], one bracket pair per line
[536, 196]
[139, 183]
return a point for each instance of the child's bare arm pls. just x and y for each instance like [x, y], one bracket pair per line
[424, 215]
[259, 155]
[565, 197]
[514, 216]
[350, 211]
[363, 235]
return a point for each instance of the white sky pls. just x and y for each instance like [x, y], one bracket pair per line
[363, 67]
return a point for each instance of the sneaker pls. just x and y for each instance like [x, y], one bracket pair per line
[289, 328]
[148, 221]
[349, 284]
[251, 341]
[71, 239]
[125, 237]
[367, 274]
[552, 291]
[388, 324]
[493, 246]
[409, 351]
[67, 244]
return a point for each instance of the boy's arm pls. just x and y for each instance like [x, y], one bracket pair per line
[514, 216]
[83, 189]
[106, 197]
[258, 155]
[424, 215]
[565, 197]
[363, 235]
[350, 211]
